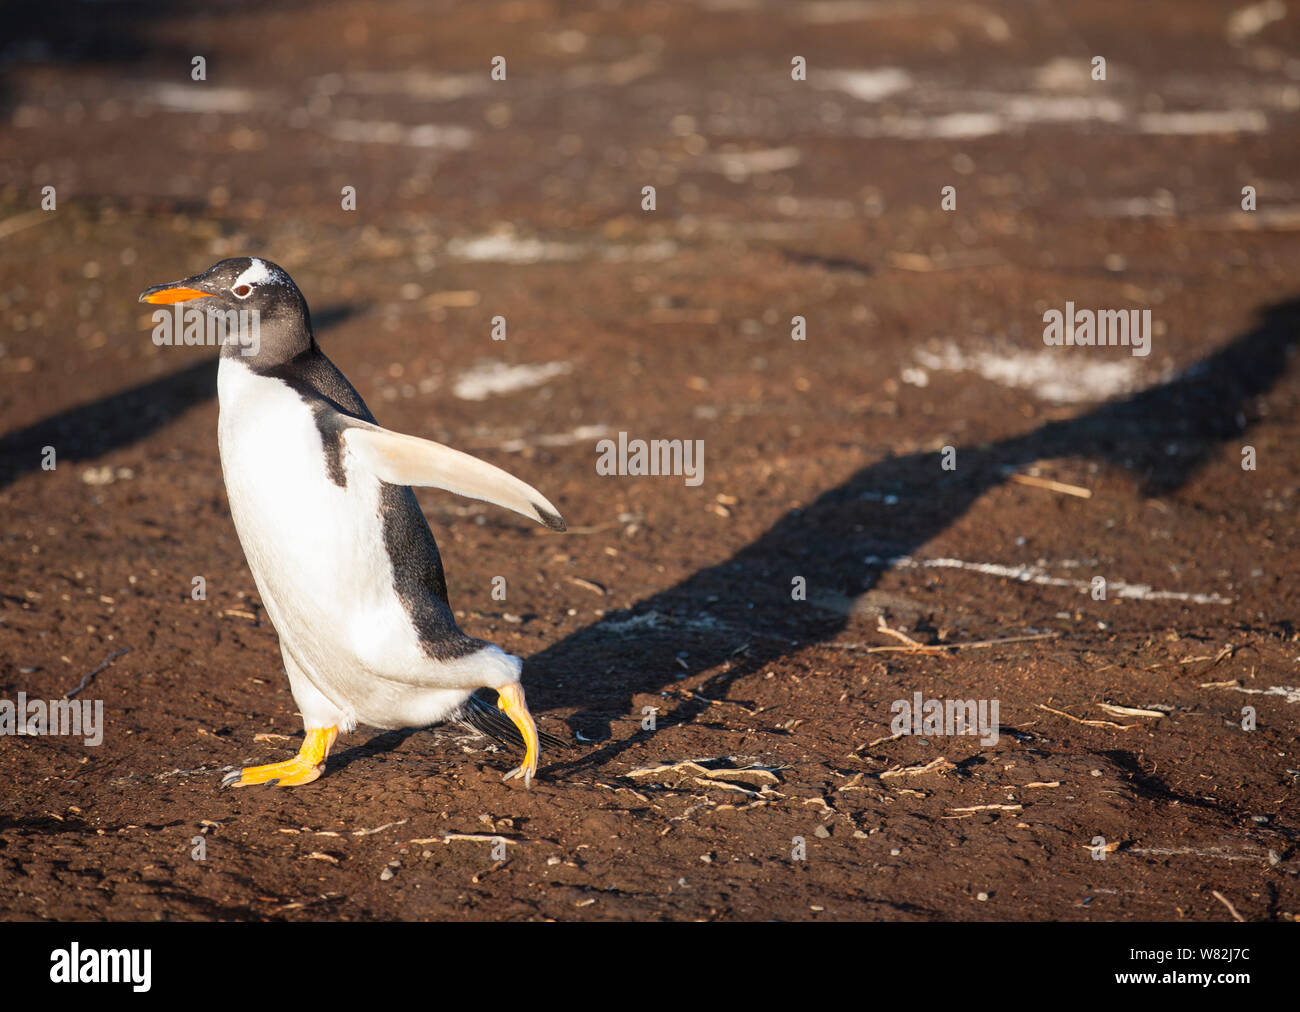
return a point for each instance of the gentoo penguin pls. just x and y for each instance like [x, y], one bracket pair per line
[342, 555]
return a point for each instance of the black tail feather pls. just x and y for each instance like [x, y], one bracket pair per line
[482, 716]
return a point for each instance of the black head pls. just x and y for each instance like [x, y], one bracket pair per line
[254, 289]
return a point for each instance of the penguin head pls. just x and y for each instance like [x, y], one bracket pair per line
[247, 285]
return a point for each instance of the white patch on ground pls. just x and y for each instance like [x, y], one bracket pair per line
[1036, 575]
[1253, 19]
[1026, 109]
[1061, 93]
[1064, 73]
[1058, 375]
[998, 113]
[187, 98]
[427, 135]
[834, 12]
[658, 249]
[582, 434]
[618, 73]
[721, 228]
[740, 165]
[1289, 693]
[646, 620]
[1219, 853]
[411, 83]
[657, 620]
[866, 85]
[1285, 217]
[1203, 121]
[949, 126]
[507, 248]
[491, 379]
[1021, 112]
[1162, 205]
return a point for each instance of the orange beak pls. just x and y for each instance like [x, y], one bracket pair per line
[167, 295]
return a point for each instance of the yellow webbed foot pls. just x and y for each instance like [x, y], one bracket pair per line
[511, 702]
[303, 768]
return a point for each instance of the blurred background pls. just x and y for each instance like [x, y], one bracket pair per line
[477, 197]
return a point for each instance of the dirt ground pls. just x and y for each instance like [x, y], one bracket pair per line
[824, 458]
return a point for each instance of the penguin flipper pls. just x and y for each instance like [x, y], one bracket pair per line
[400, 459]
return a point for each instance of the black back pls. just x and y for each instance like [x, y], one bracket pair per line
[418, 576]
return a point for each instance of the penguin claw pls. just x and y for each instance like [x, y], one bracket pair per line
[519, 771]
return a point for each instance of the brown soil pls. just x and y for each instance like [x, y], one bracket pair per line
[823, 457]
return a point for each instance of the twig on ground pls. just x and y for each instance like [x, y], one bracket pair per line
[883, 626]
[879, 741]
[1052, 486]
[940, 765]
[1090, 723]
[96, 670]
[1116, 710]
[473, 837]
[1227, 903]
[939, 648]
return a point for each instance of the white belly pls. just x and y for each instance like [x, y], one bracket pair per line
[317, 555]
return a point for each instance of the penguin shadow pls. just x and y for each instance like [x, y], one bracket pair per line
[737, 616]
[448, 735]
[109, 423]
[384, 741]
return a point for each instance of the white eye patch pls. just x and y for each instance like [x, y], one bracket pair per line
[257, 274]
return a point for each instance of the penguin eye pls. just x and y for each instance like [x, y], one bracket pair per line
[243, 291]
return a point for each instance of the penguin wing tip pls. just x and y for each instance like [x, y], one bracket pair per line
[550, 518]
